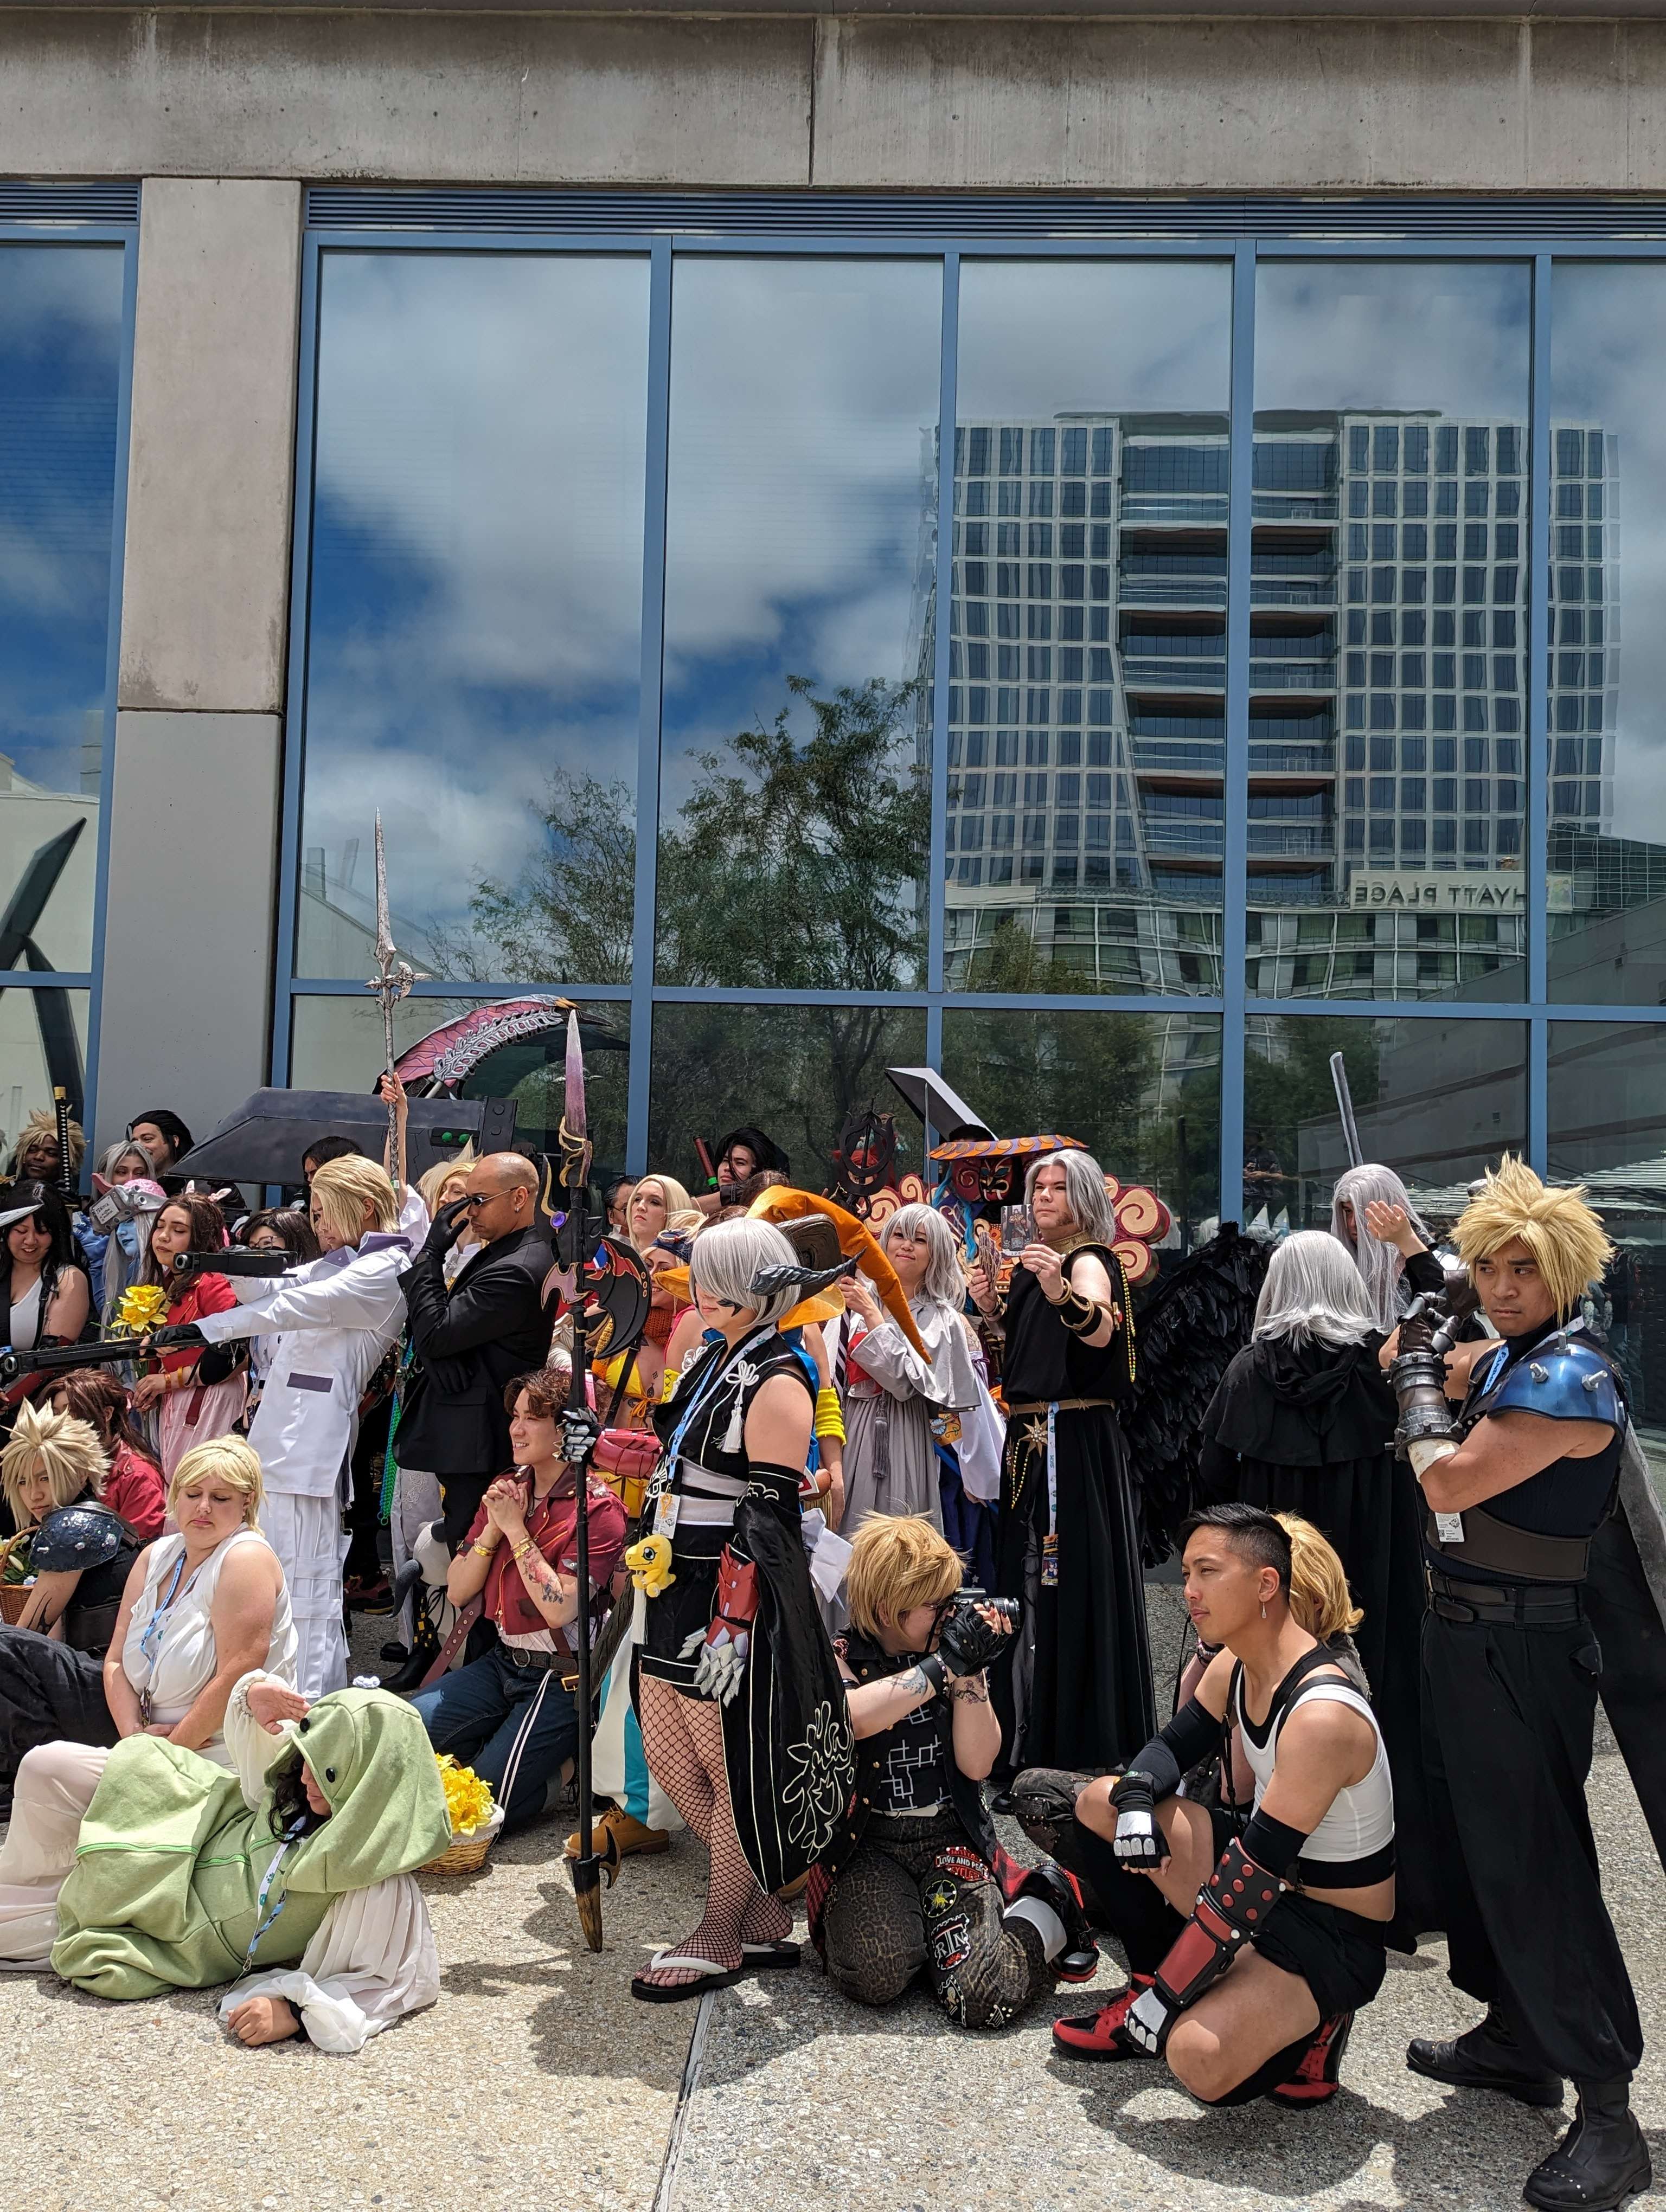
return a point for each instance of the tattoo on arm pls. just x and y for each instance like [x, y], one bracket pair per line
[917, 1682]
[975, 1690]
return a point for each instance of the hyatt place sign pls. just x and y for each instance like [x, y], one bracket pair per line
[1438, 894]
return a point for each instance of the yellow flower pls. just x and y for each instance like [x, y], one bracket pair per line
[468, 1798]
[143, 1306]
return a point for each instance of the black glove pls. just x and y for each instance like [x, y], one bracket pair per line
[1138, 1842]
[968, 1642]
[446, 1229]
[579, 1431]
[175, 1334]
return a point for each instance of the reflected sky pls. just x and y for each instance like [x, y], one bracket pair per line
[1039, 338]
[1445, 338]
[60, 348]
[476, 584]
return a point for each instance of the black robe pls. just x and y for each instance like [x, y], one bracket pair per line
[1078, 1692]
[1309, 1432]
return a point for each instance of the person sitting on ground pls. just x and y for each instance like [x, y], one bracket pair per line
[47, 1290]
[187, 1405]
[907, 1885]
[1249, 1948]
[510, 1714]
[142, 1868]
[133, 1485]
[198, 1609]
[72, 1546]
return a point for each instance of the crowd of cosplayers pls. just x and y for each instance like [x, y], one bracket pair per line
[867, 1518]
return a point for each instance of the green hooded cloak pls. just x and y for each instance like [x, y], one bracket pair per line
[165, 1890]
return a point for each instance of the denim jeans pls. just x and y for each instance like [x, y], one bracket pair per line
[477, 1713]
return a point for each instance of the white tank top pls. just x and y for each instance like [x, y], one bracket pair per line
[1353, 1846]
[181, 1659]
[26, 1317]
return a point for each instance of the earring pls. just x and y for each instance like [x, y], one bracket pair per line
[1263, 1611]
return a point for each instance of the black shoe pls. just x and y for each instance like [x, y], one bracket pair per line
[1486, 2056]
[1003, 1801]
[394, 1655]
[1602, 2159]
[1079, 1961]
[425, 1650]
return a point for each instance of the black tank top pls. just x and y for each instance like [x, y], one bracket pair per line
[1042, 1361]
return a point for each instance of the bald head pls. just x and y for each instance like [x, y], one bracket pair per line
[502, 1191]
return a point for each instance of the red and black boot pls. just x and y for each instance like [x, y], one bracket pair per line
[1099, 2034]
[1316, 2073]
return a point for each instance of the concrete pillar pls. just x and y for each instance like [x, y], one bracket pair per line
[188, 949]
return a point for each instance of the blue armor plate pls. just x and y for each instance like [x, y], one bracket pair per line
[1566, 1378]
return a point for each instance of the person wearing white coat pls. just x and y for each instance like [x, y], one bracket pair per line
[334, 1320]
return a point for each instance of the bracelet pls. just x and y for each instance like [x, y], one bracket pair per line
[482, 1551]
[522, 1548]
[1080, 1315]
[934, 1670]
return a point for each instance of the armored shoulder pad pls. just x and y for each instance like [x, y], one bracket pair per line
[1566, 1378]
[74, 1537]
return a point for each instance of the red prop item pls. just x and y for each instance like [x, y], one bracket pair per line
[736, 1606]
[631, 1454]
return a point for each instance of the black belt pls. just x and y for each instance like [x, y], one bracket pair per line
[538, 1663]
[1518, 1605]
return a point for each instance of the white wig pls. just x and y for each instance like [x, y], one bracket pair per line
[1380, 1265]
[942, 1282]
[1085, 1193]
[727, 1257]
[1313, 1292]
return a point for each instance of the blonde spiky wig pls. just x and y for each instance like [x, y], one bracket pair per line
[1558, 1229]
[66, 1451]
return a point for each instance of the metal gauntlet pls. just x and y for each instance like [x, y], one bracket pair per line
[1418, 1373]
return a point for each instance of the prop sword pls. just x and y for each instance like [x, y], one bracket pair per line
[391, 983]
[66, 1172]
[1339, 1076]
[574, 1174]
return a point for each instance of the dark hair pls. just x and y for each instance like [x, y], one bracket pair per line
[165, 1118]
[289, 1225]
[54, 1219]
[208, 1228]
[98, 1396]
[547, 1389]
[765, 1153]
[289, 1799]
[327, 1149]
[615, 1184]
[1255, 1536]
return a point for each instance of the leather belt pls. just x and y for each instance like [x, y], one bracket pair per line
[1505, 1604]
[1522, 1553]
[539, 1663]
[1061, 1405]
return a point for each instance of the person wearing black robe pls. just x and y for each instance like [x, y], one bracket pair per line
[1078, 1692]
[1303, 1423]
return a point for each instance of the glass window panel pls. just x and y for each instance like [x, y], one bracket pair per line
[1344, 352]
[1607, 1130]
[336, 1044]
[43, 1042]
[1608, 840]
[474, 662]
[1141, 351]
[1142, 1091]
[797, 1073]
[1437, 1100]
[60, 353]
[800, 633]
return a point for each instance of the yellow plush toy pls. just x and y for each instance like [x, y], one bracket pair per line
[649, 1562]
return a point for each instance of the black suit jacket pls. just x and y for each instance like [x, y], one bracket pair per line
[493, 1324]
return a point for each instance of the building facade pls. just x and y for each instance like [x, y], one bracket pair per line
[1116, 558]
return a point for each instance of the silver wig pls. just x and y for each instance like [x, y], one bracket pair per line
[1380, 1265]
[942, 1282]
[727, 1257]
[1084, 1189]
[1313, 1293]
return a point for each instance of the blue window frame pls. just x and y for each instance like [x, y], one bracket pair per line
[1001, 686]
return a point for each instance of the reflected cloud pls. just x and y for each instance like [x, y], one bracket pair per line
[1426, 337]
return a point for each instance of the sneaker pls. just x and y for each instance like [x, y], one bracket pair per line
[1100, 2034]
[1079, 1961]
[1315, 2076]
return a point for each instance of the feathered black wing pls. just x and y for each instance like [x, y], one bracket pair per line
[1197, 1318]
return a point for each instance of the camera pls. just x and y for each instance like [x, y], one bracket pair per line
[967, 1639]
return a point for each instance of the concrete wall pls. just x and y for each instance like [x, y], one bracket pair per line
[1255, 103]
[193, 845]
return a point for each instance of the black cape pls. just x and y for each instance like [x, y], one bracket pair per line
[1309, 1432]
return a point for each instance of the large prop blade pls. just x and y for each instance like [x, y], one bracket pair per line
[391, 983]
[1339, 1076]
[574, 1173]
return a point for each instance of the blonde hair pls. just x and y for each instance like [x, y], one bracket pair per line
[41, 1127]
[677, 1200]
[1564, 1236]
[897, 1562]
[69, 1452]
[344, 1189]
[1320, 1601]
[232, 1461]
[433, 1180]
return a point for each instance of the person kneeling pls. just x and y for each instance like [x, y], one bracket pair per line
[908, 1884]
[1250, 1949]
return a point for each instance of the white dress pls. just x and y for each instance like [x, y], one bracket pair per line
[182, 1660]
[372, 1961]
[335, 1319]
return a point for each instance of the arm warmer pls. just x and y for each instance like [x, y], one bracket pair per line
[1191, 1735]
[1273, 1844]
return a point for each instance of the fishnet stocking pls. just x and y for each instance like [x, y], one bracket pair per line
[683, 1738]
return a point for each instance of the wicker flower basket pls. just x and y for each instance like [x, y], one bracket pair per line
[14, 1596]
[467, 1854]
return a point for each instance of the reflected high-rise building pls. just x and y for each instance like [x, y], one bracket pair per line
[1386, 797]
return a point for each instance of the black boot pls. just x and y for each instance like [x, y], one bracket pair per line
[1602, 2159]
[425, 1650]
[1079, 1961]
[1486, 2056]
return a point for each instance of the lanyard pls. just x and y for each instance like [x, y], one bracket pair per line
[1049, 1574]
[292, 1834]
[157, 1627]
[708, 1389]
